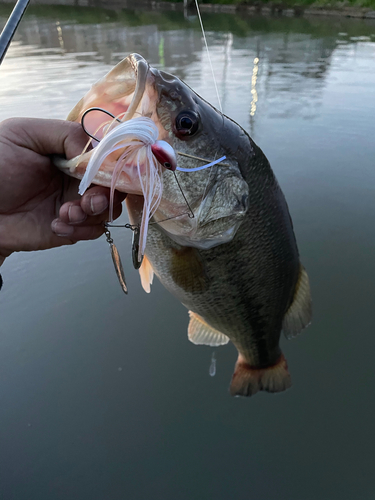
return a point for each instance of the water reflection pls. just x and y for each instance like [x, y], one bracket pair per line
[286, 81]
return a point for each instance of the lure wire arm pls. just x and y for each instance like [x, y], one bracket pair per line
[191, 213]
[133, 227]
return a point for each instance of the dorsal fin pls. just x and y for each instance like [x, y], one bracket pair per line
[201, 333]
[298, 316]
[146, 274]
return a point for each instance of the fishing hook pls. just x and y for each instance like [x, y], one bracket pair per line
[96, 109]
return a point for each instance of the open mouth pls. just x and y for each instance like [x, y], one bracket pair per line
[119, 92]
[126, 92]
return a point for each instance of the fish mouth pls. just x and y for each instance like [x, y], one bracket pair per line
[119, 92]
[126, 92]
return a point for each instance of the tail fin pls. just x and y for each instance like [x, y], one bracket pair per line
[247, 380]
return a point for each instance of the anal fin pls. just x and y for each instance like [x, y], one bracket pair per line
[146, 274]
[201, 333]
[298, 316]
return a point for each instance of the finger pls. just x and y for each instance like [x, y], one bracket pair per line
[87, 232]
[45, 136]
[72, 213]
[76, 233]
[96, 200]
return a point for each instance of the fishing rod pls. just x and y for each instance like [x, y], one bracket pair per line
[10, 28]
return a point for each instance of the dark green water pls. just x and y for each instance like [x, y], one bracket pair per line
[102, 396]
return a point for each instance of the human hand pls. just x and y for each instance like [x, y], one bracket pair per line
[39, 205]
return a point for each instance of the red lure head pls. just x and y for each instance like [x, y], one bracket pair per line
[165, 154]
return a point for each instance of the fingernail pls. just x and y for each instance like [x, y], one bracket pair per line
[61, 229]
[98, 204]
[76, 214]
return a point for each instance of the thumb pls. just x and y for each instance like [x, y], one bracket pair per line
[45, 136]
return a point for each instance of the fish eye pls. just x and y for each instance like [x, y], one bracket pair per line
[187, 123]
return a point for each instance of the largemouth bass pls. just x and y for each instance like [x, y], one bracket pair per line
[221, 239]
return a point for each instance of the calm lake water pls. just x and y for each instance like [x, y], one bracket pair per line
[102, 396]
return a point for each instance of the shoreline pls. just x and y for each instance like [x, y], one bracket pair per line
[267, 9]
[277, 8]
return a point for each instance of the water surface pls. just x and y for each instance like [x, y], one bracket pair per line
[101, 395]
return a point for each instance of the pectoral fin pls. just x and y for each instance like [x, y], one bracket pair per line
[201, 333]
[146, 274]
[298, 316]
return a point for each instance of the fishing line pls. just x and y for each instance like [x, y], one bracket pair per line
[202, 167]
[208, 54]
[202, 159]
[217, 93]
